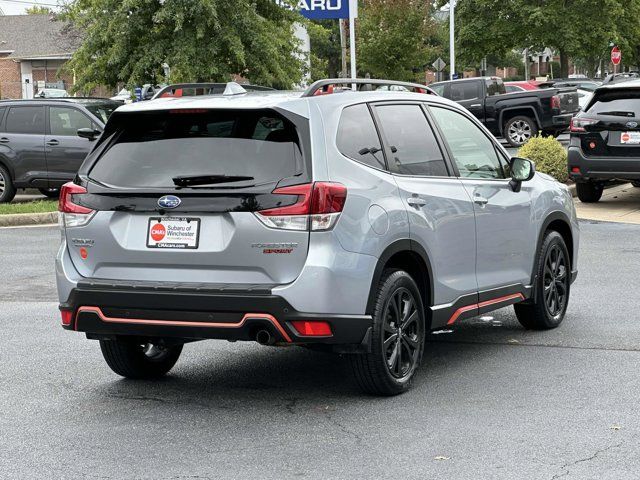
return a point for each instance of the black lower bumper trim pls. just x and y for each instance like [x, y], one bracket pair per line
[201, 315]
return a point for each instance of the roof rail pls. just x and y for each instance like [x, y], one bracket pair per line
[322, 87]
[211, 88]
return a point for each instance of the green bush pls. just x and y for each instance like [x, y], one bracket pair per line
[549, 156]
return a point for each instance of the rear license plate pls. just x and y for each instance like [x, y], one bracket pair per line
[630, 138]
[173, 232]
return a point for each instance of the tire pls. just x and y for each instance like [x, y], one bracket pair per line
[7, 189]
[139, 361]
[636, 183]
[552, 288]
[50, 192]
[589, 192]
[518, 130]
[383, 371]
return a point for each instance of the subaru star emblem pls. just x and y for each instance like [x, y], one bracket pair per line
[632, 124]
[169, 201]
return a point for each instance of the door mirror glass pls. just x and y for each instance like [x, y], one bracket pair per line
[522, 169]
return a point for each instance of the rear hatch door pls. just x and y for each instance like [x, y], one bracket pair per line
[175, 194]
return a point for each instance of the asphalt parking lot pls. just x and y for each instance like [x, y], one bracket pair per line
[492, 400]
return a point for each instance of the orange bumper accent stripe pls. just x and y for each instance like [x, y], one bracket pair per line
[486, 303]
[174, 323]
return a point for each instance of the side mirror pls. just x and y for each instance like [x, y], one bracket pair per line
[88, 133]
[522, 170]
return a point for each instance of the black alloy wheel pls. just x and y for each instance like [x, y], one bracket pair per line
[555, 281]
[402, 334]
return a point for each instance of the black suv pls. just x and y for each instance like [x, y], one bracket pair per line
[605, 140]
[40, 146]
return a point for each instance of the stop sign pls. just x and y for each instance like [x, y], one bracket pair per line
[616, 56]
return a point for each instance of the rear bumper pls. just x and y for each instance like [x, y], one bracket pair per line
[602, 168]
[148, 311]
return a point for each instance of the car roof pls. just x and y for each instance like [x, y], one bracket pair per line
[288, 100]
[619, 86]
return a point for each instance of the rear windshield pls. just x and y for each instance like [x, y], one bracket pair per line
[624, 103]
[102, 110]
[151, 149]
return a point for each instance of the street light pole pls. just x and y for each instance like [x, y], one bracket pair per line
[452, 53]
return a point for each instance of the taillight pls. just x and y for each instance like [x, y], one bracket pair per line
[555, 102]
[318, 207]
[72, 214]
[578, 124]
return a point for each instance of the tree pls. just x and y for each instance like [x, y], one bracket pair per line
[396, 39]
[37, 10]
[486, 27]
[326, 56]
[201, 40]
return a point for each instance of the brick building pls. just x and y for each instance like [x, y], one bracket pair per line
[33, 48]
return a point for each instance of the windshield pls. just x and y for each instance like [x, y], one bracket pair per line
[102, 110]
[152, 149]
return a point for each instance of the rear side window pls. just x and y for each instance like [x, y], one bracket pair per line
[465, 90]
[619, 103]
[151, 149]
[2, 110]
[358, 138]
[25, 120]
[414, 149]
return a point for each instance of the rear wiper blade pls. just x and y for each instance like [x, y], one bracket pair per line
[192, 180]
[618, 113]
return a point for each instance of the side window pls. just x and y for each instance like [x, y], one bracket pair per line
[358, 138]
[465, 90]
[414, 149]
[25, 120]
[474, 153]
[64, 121]
[439, 89]
[2, 110]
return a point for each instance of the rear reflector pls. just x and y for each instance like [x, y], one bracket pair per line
[66, 315]
[318, 207]
[575, 170]
[307, 328]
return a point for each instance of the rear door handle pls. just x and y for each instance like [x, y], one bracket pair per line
[4, 140]
[416, 202]
[475, 105]
[53, 143]
[480, 200]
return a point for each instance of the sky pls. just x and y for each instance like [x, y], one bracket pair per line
[17, 7]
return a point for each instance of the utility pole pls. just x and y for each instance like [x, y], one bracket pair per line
[343, 48]
[452, 52]
[526, 64]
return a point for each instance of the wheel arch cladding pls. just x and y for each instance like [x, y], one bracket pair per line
[409, 256]
[524, 111]
[558, 222]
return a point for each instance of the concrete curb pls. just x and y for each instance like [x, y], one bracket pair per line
[25, 219]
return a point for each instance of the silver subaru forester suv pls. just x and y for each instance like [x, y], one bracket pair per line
[355, 222]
